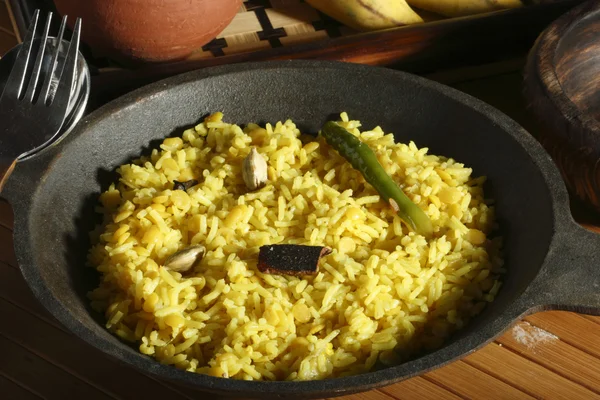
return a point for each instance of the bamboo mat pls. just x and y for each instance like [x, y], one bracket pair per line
[261, 24]
[264, 24]
[551, 355]
[271, 24]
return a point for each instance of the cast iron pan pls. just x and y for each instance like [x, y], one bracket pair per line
[552, 263]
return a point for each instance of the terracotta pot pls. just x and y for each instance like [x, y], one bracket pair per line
[149, 30]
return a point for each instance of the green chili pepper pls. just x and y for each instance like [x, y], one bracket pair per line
[364, 160]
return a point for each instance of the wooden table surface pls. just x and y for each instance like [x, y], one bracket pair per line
[551, 355]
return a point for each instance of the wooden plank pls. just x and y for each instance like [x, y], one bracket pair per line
[12, 390]
[571, 328]
[527, 375]
[6, 215]
[14, 289]
[41, 376]
[371, 395]
[592, 318]
[295, 14]
[242, 23]
[12, 20]
[190, 393]
[418, 388]
[549, 351]
[472, 383]
[5, 22]
[7, 252]
[7, 42]
[67, 352]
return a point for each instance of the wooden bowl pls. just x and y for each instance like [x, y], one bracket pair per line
[562, 86]
[135, 31]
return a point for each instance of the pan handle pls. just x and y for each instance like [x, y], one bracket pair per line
[7, 166]
[570, 277]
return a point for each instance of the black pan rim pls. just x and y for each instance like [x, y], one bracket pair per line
[346, 385]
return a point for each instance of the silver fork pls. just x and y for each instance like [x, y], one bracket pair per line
[30, 115]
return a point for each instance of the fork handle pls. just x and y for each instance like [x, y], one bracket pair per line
[6, 168]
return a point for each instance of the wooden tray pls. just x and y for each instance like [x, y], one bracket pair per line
[288, 29]
[262, 26]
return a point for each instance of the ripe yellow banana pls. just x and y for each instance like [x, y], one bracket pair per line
[367, 15]
[459, 8]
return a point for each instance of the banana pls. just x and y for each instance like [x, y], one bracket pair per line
[459, 8]
[368, 15]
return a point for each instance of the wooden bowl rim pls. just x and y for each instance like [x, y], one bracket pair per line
[548, 43]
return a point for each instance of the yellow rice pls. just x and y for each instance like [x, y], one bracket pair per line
[382, 296]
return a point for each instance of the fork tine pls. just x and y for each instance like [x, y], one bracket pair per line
[63, 92]
[38, 61]
[50, 75]
[15, 81]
